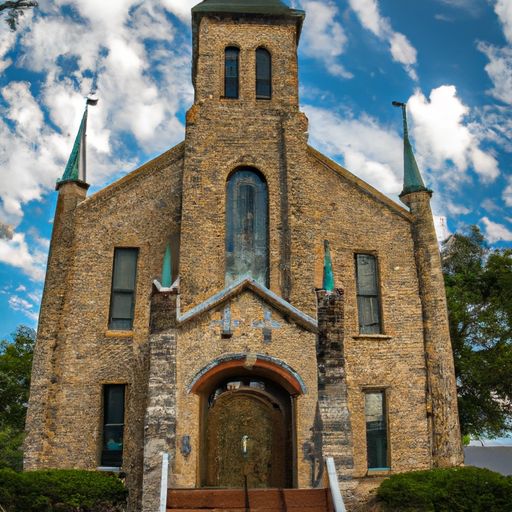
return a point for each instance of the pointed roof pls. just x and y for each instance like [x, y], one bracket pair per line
[247, 7]
[75, 168]
[328, 283]
[413, 182]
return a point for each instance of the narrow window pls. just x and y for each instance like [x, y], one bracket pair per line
[113, 425]
[368, 294]
[123, 289]
[247, 227]
[263, 74]
[231, 57]
[376, 430]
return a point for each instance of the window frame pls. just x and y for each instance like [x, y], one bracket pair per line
[107, 460]
[225, 84]
[123, 291]
[385, 401]
[377, 296]
[270, 59]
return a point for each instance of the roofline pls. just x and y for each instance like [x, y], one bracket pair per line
[358, 182]
[179, 149]
[236, 288]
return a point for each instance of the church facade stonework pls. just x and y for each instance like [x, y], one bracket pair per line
[239, 358]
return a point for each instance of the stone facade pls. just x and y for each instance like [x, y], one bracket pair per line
[187, 339]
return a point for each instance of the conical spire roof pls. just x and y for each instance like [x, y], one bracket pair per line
[75, 168]
[413, 182]
[246, 6]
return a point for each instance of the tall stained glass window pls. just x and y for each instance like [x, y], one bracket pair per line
[368, 302]
[113, 425]
[263, 74]
[376, 430]
[231, 72]
[247, 227]
[122, 302]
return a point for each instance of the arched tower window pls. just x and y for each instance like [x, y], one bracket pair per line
[263, 74]
[247, 227]
[231, 71]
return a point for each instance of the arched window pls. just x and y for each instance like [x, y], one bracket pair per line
[263, 74]
[231, 57]
[247, 227]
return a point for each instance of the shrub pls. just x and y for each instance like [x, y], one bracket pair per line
[465, 489]
[61, 490]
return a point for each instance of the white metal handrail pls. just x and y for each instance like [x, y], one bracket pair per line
[164, 482]
[334, 486]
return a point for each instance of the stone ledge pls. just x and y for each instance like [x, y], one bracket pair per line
[372, 337]
[118, 334]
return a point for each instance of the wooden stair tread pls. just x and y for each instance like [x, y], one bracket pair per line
[260, 500]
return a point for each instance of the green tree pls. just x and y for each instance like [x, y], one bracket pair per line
[479, 292]
[15, 369]
[15, 9]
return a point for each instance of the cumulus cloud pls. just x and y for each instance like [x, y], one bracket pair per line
[142, 76]
[17, 253]
[499, 70]
[503, 8]
[400, 47]
[496, 232]
[442, 134]
[17, 303]
[180, 8]
[368, 149]
[324, 37]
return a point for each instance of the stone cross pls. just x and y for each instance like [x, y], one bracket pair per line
[226, 323]
[267, 325]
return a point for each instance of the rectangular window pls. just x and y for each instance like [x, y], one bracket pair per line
[376, 430]
[123, 289]
[113, 425]
[368, 302]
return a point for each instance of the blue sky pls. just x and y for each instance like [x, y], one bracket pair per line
[450, 59]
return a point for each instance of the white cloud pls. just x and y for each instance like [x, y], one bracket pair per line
[503, 9]
[496, 232]
[507, 192]
[16, 253]
[442, 135]
[457, 209]
[369, 150]
[18, 304]
[21, 288]
[400, 47]
[180, 8]
[499, 70]
[323, 37]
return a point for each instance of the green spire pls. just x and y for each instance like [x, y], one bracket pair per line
[75, 169]
[167, 268]
[413, 182]
[328, 284]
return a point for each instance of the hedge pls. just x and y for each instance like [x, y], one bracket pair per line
[465, 489]
[62, 491]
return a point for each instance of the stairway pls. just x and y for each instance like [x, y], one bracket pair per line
[260, 500]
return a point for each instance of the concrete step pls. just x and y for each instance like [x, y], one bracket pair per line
[260, 500]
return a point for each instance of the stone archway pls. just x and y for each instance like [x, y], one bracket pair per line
[247, 427]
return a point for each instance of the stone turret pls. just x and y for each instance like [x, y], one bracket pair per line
[442, 391]
[72, 190]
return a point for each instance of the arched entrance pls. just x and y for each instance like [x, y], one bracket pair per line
[247, 427]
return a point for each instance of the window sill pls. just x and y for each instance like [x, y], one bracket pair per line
[109, 469]
[372, 336]
[378, 471]
[119, 334]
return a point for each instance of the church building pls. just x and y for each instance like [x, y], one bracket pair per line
[242, 302]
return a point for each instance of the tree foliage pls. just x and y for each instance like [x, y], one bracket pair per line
[479, 292]
[15, 370]
[15, 9]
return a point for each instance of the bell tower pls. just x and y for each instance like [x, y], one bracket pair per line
[245, 117]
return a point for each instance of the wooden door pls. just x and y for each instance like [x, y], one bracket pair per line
[246, 435]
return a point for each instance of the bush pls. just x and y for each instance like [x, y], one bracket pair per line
[465, 489]
[62, 491]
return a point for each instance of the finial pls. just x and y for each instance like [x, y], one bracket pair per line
[328, 283]
[167, 268]
[413, 182]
